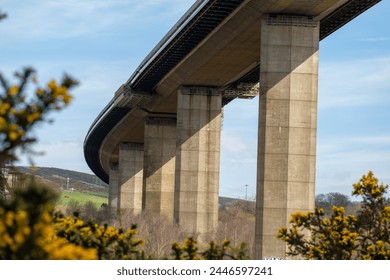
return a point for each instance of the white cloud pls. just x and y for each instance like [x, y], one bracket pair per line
[374, 39]
[354, 83]
[66, 154]
[232, 142]
[342, 161]
[332, 144]
[238, 160]
[50, 19]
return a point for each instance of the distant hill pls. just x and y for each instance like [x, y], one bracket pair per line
[59, 178]
[80, 181]
[226, 201]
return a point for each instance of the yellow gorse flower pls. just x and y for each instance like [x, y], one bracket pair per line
[39, 92]
[3, 123]
[62, 94]
[4, 107]
[33, 117]
[52, 85]
[15, 231]
[13, 90]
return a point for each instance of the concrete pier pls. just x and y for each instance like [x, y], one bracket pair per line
[287, 126]
[159, 166]
[131, 163]
[197, 160]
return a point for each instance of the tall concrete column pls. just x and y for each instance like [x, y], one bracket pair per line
[159, 166]
[113, 189]
[131, 163]
[287, 126]
[197, 160]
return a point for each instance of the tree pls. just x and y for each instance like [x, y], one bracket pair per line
[157, 231]
[312, 235]
[327, 201]
[237, 224]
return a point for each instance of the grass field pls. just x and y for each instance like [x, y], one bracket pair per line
[82, 197]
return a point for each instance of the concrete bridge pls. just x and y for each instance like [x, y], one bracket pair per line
[157, 142]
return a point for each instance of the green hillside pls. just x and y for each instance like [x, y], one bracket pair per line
[82, 197]
[85, 187]
[62, 178]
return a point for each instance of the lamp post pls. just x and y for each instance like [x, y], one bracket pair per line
[246, 192]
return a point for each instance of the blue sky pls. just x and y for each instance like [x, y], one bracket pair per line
[101, 42]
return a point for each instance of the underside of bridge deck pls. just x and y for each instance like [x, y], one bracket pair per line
[158, 140]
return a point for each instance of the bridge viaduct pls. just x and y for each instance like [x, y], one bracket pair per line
[157, 142]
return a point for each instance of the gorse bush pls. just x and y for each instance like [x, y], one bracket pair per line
[31, 229]
[312, 235]
[27, 231]
[21, 111]
[109, 242]
[190, 251]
